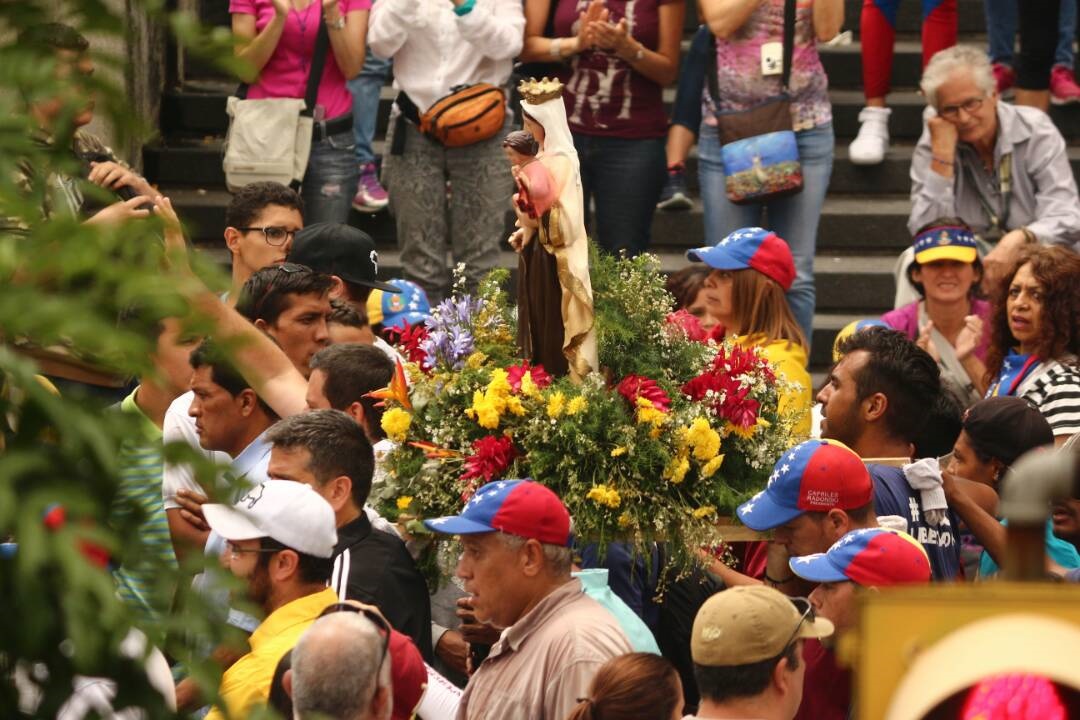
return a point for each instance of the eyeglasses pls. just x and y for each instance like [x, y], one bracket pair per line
[951, 112]
[236, 551]
[273, 234]
[378, 620]
[807, 615]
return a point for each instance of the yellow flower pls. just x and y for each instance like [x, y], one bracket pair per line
[475, 361]
[625, 520]
[747, 433]
[703, 439]
[395, 423]
[576, 405]
[514, 405]
[556, 403]
[404, 502]
[712, 466]
[704, 512]
[528, 387]
[604, 495]
[647, 413]
[618, 451]
[676, 471]
[486, 415]
[499, 384]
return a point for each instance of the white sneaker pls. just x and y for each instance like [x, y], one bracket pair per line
[869, 147]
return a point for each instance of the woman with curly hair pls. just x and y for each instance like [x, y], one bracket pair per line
[637, 686]
[1036, 337]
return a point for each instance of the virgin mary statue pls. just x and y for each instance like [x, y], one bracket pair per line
[555, 300]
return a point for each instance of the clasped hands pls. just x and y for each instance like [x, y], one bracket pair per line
[595, 30]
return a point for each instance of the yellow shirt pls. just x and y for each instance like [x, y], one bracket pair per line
[789, 361]
[246, 684]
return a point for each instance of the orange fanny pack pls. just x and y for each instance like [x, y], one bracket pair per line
[467, 115]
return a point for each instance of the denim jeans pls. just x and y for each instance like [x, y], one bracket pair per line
[1001, 29]
[330, 179]
[624, 179]
[365, 89]
[794, 217]
[687, 108]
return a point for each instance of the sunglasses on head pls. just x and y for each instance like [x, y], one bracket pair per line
[806, 611]
[378, 620]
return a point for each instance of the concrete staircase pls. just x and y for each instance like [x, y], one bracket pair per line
[863, 226]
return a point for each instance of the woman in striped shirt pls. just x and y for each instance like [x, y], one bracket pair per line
[1036, 338]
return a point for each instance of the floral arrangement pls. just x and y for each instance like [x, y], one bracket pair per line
[669, 438]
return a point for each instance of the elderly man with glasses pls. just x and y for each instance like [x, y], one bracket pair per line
[1002, 169]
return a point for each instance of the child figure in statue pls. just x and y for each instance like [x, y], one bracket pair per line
[555, 310]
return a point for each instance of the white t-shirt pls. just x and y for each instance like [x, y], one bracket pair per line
[180, 427]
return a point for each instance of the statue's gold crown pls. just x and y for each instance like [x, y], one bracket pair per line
[539, 91]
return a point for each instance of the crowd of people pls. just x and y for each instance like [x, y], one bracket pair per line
[894, 468]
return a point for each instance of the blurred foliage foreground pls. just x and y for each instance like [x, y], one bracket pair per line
[65, 284]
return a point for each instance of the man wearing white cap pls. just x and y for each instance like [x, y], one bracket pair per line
[280, 537]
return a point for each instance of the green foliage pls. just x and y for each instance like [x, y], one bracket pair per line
[66, 284]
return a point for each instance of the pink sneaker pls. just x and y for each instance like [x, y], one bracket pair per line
[1063, 87]
[1004, 77]
[370, 195]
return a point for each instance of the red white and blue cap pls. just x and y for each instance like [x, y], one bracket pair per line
[855, 326]
[516, 507]
[945, 242]
[395, 310]
[871, 557]
[816, 476]
[750, 247]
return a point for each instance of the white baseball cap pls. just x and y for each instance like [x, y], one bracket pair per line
[291, 513]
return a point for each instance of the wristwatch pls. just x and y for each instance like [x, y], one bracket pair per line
[338, 24]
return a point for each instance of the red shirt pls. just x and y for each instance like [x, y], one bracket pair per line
[827, 687]
[604, 95]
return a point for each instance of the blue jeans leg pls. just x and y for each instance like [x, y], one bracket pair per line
[365, 89]
[1066, 34]
[330, 179]
[794, 218]
[623, 178]
[687, 108]
[1001, 29]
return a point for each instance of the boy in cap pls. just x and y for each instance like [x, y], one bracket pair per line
[280, 538]
[747, 646]
[516, 561]
[871, 558]
[345, 253]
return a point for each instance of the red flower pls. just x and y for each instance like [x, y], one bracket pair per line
[736, 405]
[491, 457]
[409, 340]
[689, 324]
[540, 377]
[634, 386]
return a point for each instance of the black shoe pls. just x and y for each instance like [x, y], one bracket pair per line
[675, 195]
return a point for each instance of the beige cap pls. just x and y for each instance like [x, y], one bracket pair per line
[748, 624]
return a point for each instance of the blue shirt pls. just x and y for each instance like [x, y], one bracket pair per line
[1061, 552]
[595, 585]
[894, 496]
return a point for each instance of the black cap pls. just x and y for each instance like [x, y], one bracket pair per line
[342, 250]
[1006, 427]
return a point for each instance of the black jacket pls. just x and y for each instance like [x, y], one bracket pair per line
[374, 567]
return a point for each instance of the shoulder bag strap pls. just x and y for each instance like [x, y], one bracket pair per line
[789, 42]
[710, 74]
[318, 61]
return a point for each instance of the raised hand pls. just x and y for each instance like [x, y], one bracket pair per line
[924, 341]
[970, 337]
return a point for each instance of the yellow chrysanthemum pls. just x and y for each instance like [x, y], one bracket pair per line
[703, 439]
[404, 502]
[395, 423]
[528, 387]
[499, 384]
[513, 404]
[487, 416]
[709, 468]
[648, 414]
[618, 451]
[747, 433]
[556, 404]
[625, 520]
[476, 360]
[676, 471]
[704, 512]
[604, 495]
[576, 405]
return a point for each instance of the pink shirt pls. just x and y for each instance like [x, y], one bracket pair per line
[286, 72]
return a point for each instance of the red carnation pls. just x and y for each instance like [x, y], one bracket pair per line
[490, 459]
[634, 386]
[409, 339]
[739, 409]
[689, 324]
[540, 377]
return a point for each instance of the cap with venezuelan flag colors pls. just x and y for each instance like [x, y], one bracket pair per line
[876, 557]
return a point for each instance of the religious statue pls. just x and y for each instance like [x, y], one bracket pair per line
[555, 300]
